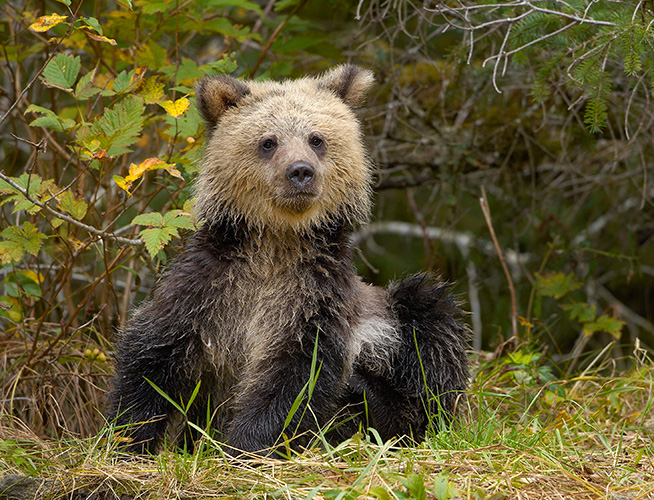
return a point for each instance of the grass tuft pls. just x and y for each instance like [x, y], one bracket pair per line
[521, 433]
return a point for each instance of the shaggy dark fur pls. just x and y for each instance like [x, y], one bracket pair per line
[239, 311]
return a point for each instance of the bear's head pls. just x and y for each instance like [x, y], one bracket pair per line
[285, 155]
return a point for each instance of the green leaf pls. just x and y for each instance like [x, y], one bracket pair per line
[34, 185]
[33, 108]
[379, 492]
[605, 323]
[188, 70]
[61, 72]
[156, 238]
[444, 489]
[22, 282]
[75, 207]
[84, 89]
[416, 486]
[149, 219]
[284, 4]
[346, 494]
[224, 27]
[243, 4]
[556, 284]
[19, 241]
[178, 219]
[56, 124]
[117, 128]
[162, 228]
[122, 82]
[50, 120]
[580, 311]
[161, 392]
[93, 23]
[154, 6]
[194, 395]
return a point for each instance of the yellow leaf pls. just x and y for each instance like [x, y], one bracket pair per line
[137, 171]
[44, 23]
[101, 38]
[37, 278]
[152, 91]
[524, 322]
[177, 108]
[125, 186]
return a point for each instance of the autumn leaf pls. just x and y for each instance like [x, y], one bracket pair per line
[44, 23]
[152, 91]
[18, 241]
[556, 284]
[177, 108]
[137, 171]
[100, 38]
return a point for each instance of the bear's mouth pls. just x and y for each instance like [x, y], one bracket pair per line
[299, 201]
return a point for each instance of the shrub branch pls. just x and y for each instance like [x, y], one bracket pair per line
[94, 231]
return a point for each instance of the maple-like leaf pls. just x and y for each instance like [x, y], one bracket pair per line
[20, 240]
[556, 284]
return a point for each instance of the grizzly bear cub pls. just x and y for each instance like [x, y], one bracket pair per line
[266, 292]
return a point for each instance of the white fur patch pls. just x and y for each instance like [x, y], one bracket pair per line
[375, 339]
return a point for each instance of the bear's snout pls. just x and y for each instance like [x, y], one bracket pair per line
[300, 174]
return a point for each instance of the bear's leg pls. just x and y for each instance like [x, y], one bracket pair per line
[428, 369]
[149, 355]
[272, 385]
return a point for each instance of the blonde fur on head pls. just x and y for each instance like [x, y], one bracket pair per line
[238, 181]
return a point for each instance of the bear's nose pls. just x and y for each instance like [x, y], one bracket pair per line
[300, 173]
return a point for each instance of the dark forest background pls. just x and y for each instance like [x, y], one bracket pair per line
[513, 142]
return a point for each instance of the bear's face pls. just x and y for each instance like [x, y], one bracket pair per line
[285, 155]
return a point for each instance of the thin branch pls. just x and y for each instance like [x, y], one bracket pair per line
[47, 61]
[483, 201]
[272, 38]
[94, 231]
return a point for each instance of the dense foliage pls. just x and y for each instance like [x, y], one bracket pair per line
[541, 108]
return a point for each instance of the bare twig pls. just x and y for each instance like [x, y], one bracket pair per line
[47, 61]
[272, 38]
[483, 201]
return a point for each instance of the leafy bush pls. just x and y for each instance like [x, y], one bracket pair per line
[101, 138]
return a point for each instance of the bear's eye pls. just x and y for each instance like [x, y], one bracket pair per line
[315, 141]
[268, 144]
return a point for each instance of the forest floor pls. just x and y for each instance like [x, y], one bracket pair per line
[522, 433]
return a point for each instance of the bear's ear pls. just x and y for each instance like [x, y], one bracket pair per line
[349, 82]
[215, 94]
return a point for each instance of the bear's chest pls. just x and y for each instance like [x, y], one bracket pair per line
[257, 305]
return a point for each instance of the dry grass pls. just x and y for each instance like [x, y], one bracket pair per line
[522, 434]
